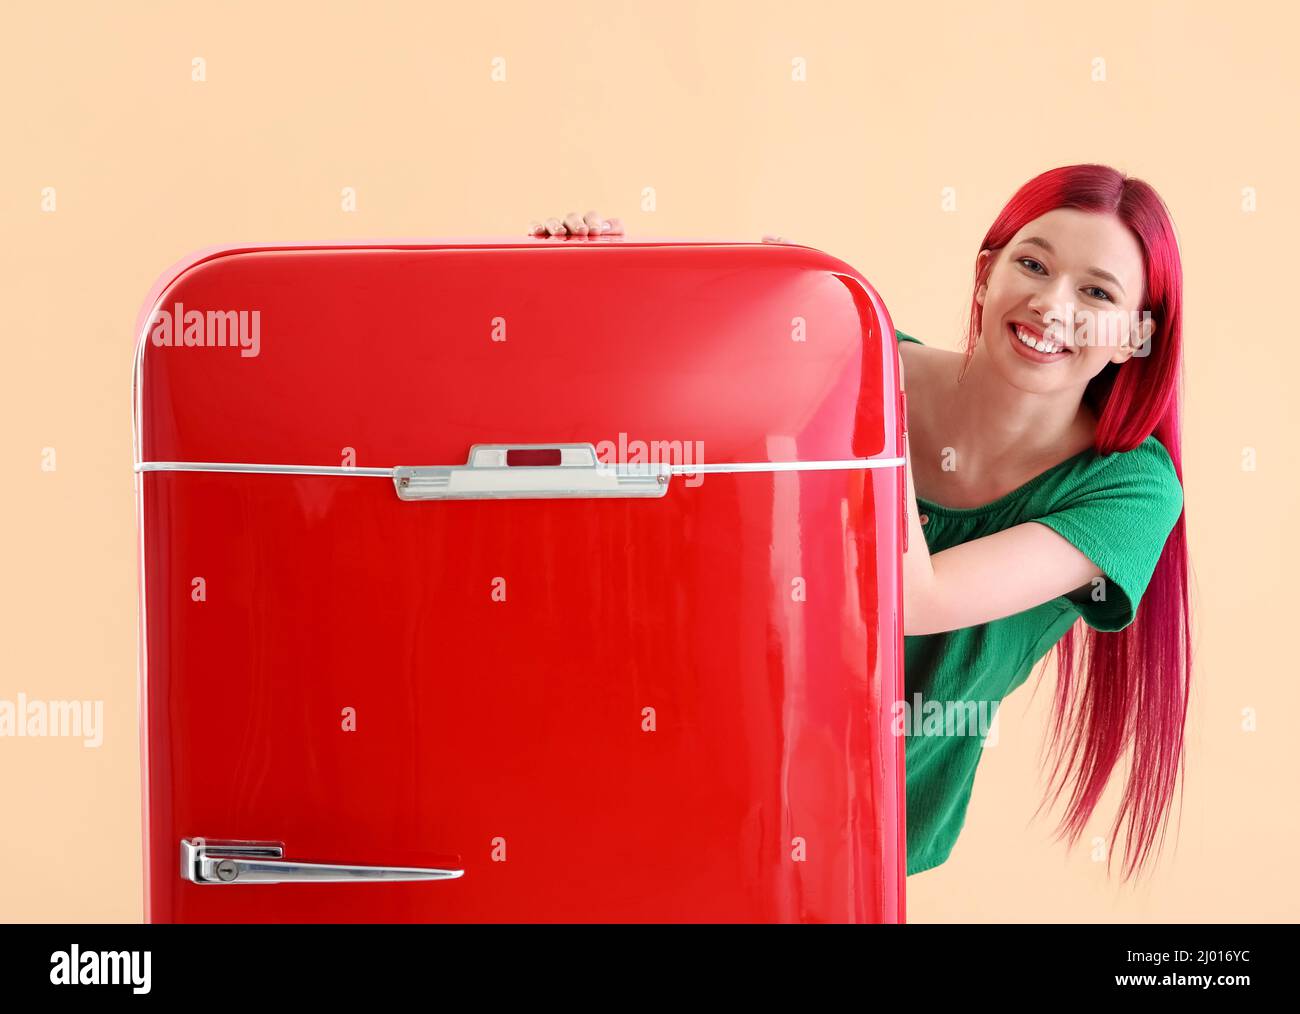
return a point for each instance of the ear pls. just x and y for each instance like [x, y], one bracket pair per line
[1139, 343]
[1145, 336]
[981, 263]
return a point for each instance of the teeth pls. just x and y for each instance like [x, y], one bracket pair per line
[1034, 343]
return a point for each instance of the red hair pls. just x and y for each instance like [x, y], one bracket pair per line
[1132, 691]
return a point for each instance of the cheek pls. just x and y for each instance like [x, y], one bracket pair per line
[1011, 288]
[1114, 330]
[1091, 360]
[1001, 298]
[1099, 333]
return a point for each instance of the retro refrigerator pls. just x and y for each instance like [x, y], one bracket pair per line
[533, 580]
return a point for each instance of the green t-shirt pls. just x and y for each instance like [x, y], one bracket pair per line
[1118, 509]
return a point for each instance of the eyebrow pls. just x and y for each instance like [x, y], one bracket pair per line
[1039, 241]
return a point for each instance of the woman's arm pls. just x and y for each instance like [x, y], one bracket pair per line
[999, 575]
[985, 579]
[918, 569]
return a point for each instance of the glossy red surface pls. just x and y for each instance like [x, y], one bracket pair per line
[507, 735]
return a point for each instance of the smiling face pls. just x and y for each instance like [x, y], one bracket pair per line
[1067, 265]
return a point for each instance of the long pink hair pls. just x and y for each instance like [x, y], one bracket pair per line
[1134, 686]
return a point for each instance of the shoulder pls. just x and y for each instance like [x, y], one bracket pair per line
[913, 349]
[917, 356]
[1143, 479]
[1149, 460]
[906, 345]
[1150, 468]
[1118, 510]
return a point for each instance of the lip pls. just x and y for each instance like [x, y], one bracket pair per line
[1033, 355]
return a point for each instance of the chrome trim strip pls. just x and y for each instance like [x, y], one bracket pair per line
[225, 466]
[388, 473]
[787, 466]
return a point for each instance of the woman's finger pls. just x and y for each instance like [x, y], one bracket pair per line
[614, 227]
[574, 223]
[536, 229]
[554, 227]
[595, 224]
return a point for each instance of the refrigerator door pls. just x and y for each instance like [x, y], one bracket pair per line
[529, 581]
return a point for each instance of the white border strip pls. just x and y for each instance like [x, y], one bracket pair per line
[740, 466]
[227, 466]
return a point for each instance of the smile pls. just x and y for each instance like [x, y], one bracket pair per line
[1031, 345]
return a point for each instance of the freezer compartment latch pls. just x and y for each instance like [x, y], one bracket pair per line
[530, 471]
[208, 861]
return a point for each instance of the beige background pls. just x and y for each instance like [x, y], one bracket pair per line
[600, 101]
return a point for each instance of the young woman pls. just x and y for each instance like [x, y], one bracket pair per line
[1044, 485]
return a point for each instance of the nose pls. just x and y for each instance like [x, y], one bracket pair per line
[1050, 297]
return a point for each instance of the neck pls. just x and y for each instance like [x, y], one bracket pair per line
[996, 427]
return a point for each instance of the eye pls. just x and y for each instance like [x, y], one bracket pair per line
[1093, 288]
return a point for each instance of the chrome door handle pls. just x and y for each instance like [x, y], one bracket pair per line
[208, 861]
[530, 471]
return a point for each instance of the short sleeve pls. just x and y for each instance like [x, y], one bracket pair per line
[1120, 519]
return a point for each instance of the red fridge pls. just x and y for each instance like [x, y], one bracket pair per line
[531, 580]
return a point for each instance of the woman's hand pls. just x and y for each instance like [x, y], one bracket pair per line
[573, 224]
[591, 224]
